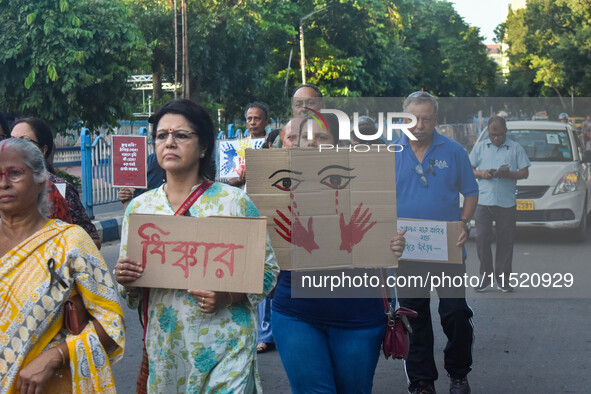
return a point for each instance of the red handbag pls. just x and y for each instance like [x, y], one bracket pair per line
[76, 316]
[396, 341]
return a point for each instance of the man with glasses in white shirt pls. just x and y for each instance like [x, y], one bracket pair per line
[498, 163]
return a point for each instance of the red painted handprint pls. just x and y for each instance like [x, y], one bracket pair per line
[284, 230]
[353, 233]
[299, 235]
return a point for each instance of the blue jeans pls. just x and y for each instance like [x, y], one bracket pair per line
[264, 311]
[323, 359]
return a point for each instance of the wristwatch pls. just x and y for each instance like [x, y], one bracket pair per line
[467, 223]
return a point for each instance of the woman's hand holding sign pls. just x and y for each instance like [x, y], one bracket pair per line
[398, 243]
[127, 270]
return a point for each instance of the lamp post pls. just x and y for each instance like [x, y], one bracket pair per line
[302, 51]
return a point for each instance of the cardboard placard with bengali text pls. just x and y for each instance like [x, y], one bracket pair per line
[326, 210]
[217, 253]
[431, 241]
[129, 168]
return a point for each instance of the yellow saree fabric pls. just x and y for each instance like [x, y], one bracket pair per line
[31, 309]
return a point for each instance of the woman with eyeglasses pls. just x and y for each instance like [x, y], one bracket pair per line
[37, 132]
[43, 263]
[196, 341]
[58, 207]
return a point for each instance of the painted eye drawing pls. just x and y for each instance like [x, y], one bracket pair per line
[337, 178]
[285, 183]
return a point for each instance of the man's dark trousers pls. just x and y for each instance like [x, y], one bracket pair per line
[505, 219]
[456, 320]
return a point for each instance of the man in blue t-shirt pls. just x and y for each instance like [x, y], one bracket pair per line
[431, 172]
[498, 163]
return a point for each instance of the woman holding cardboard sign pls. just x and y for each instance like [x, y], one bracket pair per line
[201, 341]
[327, 345]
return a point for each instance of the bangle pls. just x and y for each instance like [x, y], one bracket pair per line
[231, 300]
[61, 354]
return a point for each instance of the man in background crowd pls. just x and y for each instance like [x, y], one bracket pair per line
[257, 118]
[498, 163]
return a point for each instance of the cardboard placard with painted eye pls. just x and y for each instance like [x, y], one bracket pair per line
[326, 209]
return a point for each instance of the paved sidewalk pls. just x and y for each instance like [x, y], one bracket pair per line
[107, 220]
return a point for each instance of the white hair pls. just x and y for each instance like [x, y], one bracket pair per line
[420, 98]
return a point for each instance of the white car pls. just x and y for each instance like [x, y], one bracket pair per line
[557, 193]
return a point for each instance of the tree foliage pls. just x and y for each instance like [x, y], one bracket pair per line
[447, 55]
[240, 50]
[550, 47]
[74, 56]
[68, 60]
[155, 19]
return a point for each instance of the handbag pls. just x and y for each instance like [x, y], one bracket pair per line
[396, 341]
[75, 315]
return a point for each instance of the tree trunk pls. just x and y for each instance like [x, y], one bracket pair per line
[157, 84]
[186, 87]
[195, 89]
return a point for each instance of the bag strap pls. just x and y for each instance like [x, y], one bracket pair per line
[193, 197]
[386, 300]
[189, 201]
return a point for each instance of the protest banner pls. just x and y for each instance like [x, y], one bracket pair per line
[129, 167]
[217, 253]
[431, 241]
[326, 210]
[232, 155]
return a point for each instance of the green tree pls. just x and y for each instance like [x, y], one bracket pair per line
[550, 47]
[447, 56]
[68, 60]
[353, 48]
[239, 50]
[155, 19]
[229, 44]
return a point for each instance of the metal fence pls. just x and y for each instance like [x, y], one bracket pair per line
[67, 157]
[69, 138]
[464, 134]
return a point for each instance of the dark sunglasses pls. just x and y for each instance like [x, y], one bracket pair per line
[419, 170]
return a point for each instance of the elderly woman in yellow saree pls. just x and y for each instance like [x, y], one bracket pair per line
[43, 263]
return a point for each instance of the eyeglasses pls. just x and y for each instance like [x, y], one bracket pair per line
[419, 170]
[24, 137]
[179, 136]
[13, 174]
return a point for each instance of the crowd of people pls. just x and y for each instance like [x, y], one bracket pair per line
[199, 341]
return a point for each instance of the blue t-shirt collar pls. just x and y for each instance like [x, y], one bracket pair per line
[437, 139]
